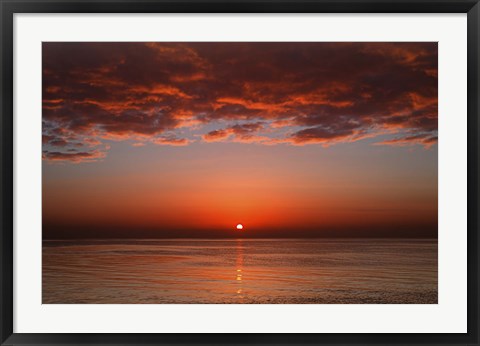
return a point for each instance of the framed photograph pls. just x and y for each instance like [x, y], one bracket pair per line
[259, 172]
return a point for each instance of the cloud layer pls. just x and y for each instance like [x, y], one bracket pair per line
[264, 93]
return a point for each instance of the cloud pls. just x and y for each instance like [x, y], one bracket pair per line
[217, 135]
[264, 93]
[75, 157]
[138, 144]
[426, 140]
[240, 132]
[321, 135]
[170, 140]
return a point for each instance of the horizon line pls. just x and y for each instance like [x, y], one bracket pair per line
[237, 238]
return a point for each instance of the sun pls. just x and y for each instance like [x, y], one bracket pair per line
[239, 226]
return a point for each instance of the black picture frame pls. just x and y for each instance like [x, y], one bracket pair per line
[9, 8]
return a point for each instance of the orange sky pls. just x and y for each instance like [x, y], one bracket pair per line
[172, 140]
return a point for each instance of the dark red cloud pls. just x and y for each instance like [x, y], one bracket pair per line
[298, 93]
[170, 140]
[75, 157]
[426, 140]
[241, 133]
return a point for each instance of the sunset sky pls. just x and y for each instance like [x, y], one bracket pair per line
[288, 139]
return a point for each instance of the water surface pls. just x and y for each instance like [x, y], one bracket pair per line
[243, 271]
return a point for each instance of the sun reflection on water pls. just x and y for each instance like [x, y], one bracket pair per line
[239, 267]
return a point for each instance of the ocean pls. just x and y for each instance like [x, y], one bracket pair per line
[240, 271]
